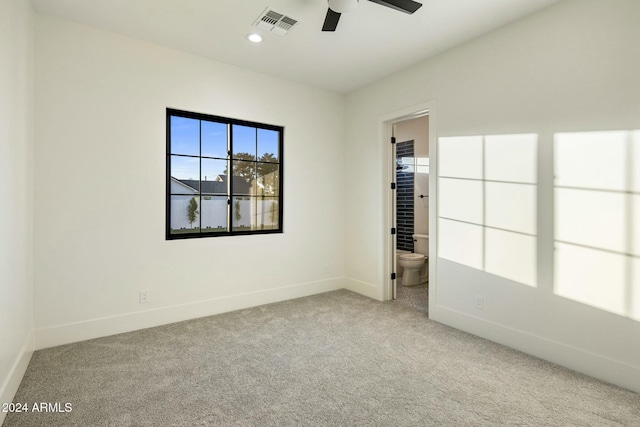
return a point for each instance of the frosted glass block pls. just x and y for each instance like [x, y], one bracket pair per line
[635, 288]
[591, 277]
[460, 199]
[635, 161]
[635, 224]
[591, 160]
[511, 157]
[511, 255]
[511, 206]
[460, 242]
[460, 157]
[592, 218]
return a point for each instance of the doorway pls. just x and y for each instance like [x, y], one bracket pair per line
[410, 203]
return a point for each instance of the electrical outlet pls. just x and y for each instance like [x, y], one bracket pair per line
[478, 302]
[144, 296]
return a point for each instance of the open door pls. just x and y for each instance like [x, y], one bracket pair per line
[394, 235]
[395, 129]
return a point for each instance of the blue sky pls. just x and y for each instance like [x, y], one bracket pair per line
[185, 139]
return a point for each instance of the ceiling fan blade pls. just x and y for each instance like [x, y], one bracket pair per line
[331, 20]
[406, 6]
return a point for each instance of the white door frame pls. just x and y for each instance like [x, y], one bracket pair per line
[386, 123]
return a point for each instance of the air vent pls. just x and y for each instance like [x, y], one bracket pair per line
[275, 22]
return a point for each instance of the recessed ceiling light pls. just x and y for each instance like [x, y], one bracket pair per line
[256, 38]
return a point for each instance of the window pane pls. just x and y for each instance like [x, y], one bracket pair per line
[511, 206]
[268, 179]
[242, 210]
[185, 136]
[511, 158]
[511, 255]
[255, 213]
[591, 218]
[185, 214]
[591, 277]
[214, 214]
[244, 142]
[186, 170]
[216, 192]
[244, 177]
[212, 174]
[460, 199]
[266, 213]
[460, 157]
[214, 139]
[591, 160]
[268, 141]
[460, 242]
[179, 187]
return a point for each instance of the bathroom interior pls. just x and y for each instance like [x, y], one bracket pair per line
[412, 212]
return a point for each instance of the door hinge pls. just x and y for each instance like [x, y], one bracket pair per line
[393, 230]
[393, 139]
[393, 185]
[393, 276]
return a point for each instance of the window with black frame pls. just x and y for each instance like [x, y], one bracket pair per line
[203, 198]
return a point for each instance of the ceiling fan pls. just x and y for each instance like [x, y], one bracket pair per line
[338, 7]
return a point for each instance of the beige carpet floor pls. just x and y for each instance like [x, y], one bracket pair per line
[334, 359]
[413, 296]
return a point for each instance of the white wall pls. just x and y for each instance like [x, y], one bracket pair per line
[416, 130]
[16, 184]
[571, 67]
[101, 101]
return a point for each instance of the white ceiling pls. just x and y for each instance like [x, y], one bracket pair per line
[371, 42]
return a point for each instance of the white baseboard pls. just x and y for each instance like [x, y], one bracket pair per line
[363, 288]
[13, 380]
[594, 365]
[96, 328]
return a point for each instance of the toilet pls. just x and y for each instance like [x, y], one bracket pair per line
[413, 264]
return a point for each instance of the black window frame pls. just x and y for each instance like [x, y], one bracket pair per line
[171, 112]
